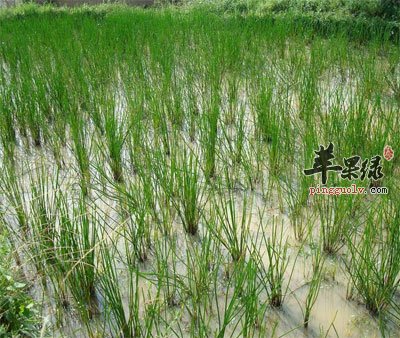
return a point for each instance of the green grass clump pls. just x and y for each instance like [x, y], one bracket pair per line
[374, 260]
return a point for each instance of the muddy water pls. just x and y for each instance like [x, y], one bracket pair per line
[332, 315]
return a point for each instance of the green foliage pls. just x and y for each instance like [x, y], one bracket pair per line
[386, 9]
[19, 314]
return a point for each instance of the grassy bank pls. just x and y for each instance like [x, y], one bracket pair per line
[371, 9]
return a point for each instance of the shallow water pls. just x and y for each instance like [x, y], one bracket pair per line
[332, 315]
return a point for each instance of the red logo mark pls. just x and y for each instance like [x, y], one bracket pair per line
[388, 153]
